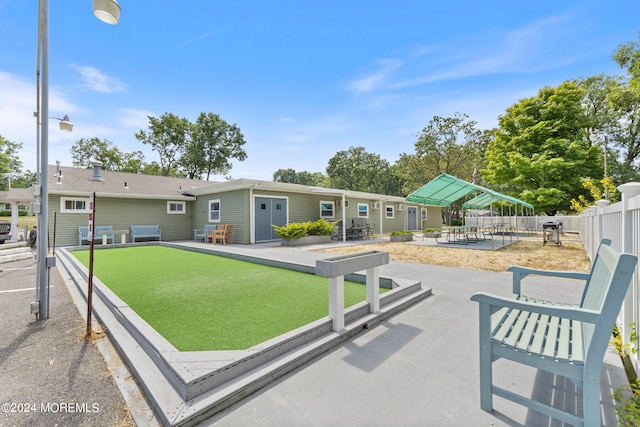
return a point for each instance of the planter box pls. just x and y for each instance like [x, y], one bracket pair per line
[403, 238]
[432, 234]
[306, 240]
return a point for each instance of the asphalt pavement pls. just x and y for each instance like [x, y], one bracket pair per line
[51, 375]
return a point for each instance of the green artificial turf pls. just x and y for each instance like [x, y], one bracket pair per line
[205, 302]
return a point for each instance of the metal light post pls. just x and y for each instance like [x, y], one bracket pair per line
[107, 11]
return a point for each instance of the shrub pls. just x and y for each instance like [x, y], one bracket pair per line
[431, 230]
[8, 213]
[401, 233]
[320, 227]
[296, 230]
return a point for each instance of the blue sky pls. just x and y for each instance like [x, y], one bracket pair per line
[303, 80]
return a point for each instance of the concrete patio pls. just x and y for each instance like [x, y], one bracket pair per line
[417, 368]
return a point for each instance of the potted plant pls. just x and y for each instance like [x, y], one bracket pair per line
[305, 233]
[401, 236]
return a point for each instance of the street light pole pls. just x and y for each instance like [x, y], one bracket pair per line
[107, 11]
[44, 262]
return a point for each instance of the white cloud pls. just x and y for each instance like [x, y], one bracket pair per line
[97, 81]
[533, 47]
[386, 67]
[17, 121]
[135, 118]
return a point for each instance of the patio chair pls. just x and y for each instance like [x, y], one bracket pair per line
[223, 233]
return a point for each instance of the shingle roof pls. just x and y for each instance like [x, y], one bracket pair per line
[20, 195]
[77, 181]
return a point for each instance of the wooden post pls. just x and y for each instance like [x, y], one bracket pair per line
[92, 208]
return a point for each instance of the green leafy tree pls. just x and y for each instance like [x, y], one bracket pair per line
[23, 180]
[10, 164]
[627, 56]
[541, 151]
[304, 178]
[214, 142]
[451, 145]
[355, 169]
[85, 151]
[168, 136]
[152, 168]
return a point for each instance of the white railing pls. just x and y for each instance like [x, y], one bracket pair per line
[619, 222]
[525, 223]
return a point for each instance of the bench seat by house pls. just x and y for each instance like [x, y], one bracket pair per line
[564, 339]
[98, 232]
[145, 232]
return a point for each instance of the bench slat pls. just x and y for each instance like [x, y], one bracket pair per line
[505, 325]
[529, 331]
[564, 341]
[516, 330]
[551, 339]
[577, 350]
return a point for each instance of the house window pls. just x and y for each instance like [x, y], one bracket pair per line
[327, 209]
[71, 205]
[363, 210]
[176, 207]
[214, 210]
[423, 214]
[389, 211]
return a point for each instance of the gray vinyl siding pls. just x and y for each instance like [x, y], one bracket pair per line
[234, 209]
[121, 214]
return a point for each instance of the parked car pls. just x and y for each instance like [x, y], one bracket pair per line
[5, 230]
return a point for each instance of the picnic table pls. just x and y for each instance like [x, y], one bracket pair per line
[462, 234]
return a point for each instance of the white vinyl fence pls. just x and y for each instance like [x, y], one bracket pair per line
[619, 222]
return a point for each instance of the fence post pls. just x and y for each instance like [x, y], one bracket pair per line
[629, 306]
[595, 229]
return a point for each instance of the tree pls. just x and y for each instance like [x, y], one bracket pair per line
[627, 56]
[10, 164]
[541, 151]
[168, 136]
[303, 177]
[451, 145]
[218, 141]
[357, 170]
[86, 151]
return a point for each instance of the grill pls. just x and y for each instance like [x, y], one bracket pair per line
[551, 231]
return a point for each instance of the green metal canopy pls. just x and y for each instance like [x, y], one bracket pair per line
[446, 189]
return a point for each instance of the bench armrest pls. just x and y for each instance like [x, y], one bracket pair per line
[520, 273]
[567, 312]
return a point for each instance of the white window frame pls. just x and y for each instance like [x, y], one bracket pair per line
[181, 211]
[424, 214]
[212, 211]
[333, 209]
[386, 211]
[64, 200]
[365, 210]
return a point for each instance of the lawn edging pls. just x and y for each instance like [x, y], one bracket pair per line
[187, 387]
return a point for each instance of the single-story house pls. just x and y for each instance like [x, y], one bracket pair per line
[180, 205]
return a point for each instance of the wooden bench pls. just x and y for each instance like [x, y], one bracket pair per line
[201, 233]
[98, 232]
[145, 231]
[564, 339]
